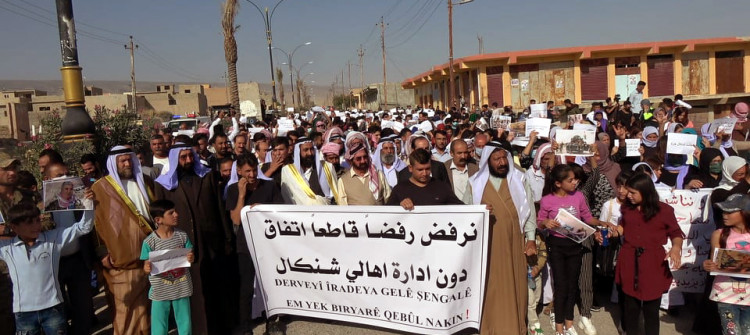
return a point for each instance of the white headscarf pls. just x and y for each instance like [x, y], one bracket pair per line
[169, 178]
[397, 163]
[322, 178]
[728, 168]
[137, 174]
[515, 180]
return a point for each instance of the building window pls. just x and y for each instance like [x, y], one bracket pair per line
[44, 109]
[6, 96]
[6, 113]
[187, 91]
[172, 102]
[166, 87]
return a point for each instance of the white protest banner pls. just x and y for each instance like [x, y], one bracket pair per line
[421, 271]
[725, 125]
[285, 125]
[500, 122]
[681, 144]
[538, 110]
[165, 260]
[632, 145]
[691, 212]
[540, 125]
[575, 142]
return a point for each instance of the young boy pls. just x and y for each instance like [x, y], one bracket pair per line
[172, 288]
[536, 264]
[33, 258]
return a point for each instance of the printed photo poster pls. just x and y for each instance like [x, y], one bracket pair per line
[421, 271]
[691, 209]
[571, 227]
[632, 146]
[681, 144]
[575, 142]
[538, 110]
[724, 125]
[500, 122]
[734, 263]
[65, 194]
[524, 85]
[540, 125]
[575, 118]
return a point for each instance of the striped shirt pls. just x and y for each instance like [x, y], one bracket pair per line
[173, 284]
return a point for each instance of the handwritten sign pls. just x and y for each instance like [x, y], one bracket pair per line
[421, 271]
[165, 260]
[538, 110]
[691, 212]
[540, 125]
[724, 125]
[632, 146]
[681, 144]
[285, 125]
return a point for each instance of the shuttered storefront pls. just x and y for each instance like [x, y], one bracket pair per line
[729, 78]
[594, 79]
[660, 75]
[495, 85]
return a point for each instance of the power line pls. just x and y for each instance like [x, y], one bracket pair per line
[418, 29]
[422, 14]
[77, 21]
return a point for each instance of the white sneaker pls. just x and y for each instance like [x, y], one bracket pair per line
[571, 331]
[587, 326]
[552, 320]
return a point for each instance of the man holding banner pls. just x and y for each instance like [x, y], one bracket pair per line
[501, 186]
[308, 180]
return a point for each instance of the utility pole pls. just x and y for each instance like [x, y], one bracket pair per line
[385, 78]
[481, 44]
[349, 65]
[343, 95]
[132, 48]
[451, 90]
[361, 53]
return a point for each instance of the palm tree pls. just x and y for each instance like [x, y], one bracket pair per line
[229, 12]
[280, 79]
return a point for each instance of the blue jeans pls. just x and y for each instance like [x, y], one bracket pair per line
[735, 319]
[52, 320]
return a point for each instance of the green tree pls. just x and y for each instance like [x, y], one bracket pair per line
[343, 101]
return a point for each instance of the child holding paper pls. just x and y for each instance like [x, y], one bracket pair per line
[729, 292]
[171, 288]
[564, 255]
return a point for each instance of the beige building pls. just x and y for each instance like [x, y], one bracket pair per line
[372, 97]
[15, 107]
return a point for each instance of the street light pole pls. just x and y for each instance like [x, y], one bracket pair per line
[451, 87]
[267, 22]
[289, 57]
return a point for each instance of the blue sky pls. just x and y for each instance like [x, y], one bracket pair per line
[181, 40]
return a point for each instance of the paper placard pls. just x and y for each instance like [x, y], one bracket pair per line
[681, 144]
[285, 125]
[735, 263]
[617, 143]
[165, 260]
[538, 110]
[632, 145]
[725, 125]
[575, 142]
[540, 125]
[584, 126]
[500, 122]
[571, 227]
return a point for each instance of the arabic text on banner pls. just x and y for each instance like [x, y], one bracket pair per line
[421, 271]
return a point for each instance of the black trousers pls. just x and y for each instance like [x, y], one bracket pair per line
[565, 257]
[247, 277]
[75, 282]
[632, 308]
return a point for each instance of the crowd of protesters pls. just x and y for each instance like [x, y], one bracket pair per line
[186, 190]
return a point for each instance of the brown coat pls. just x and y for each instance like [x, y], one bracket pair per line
[473, 168]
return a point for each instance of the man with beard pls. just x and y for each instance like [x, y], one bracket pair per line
[438, 171]
[246, 189]
[441, 142]
[308, 180]
[460, 169]
[279, 150]
[362, 184]
[331, 154]
[225, 171]
[503, 188]
[194, 191]
[544, 161]
[420, 189]
[386, 161]
[220, 143]
[122, 223]
[159, 150]
[10, 195]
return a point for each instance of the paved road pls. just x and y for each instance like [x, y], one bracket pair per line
[603, 321]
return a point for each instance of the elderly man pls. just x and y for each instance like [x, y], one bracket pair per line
[362, 184]
[387, 161]
[501, 186]
[195, 193]
[122, 223]
[308, 180]
[460, 169]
